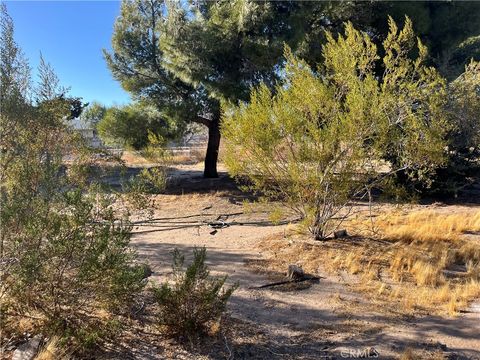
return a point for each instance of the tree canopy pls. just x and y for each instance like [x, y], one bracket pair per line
[131, 125]
[188, 57]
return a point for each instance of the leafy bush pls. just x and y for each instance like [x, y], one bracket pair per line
[329, 136]
[93, 113]
[195, 300]
[149, 180]
[463, 110]
[131, 125]
[64, 253]
[137, 190]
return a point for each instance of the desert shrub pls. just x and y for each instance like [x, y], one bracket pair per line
[155, 178]
[326, 137]
[138, 189]
[66, 253]
[93, 113]
[194, 301]
[65, 260]
[464, 137]
[149, 180]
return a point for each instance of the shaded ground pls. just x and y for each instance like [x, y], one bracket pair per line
[315, 321]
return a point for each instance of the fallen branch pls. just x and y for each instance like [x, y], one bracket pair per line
[314, 278]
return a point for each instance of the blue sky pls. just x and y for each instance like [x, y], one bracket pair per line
[71, 36]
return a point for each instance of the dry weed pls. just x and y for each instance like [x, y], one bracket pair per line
[52, 351]
[421, 261]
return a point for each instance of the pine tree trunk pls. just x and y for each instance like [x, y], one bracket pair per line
[211, 157]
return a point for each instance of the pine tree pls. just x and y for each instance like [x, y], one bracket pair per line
[189, 57]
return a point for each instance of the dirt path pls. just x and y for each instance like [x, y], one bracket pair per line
[325, 319]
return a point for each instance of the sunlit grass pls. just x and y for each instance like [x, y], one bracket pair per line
[52, 350]
[422, 261]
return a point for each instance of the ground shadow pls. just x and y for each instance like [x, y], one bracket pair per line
[271, 329]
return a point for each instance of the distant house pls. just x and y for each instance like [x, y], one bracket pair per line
[88, 131]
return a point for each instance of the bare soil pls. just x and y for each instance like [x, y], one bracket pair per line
[311, 320]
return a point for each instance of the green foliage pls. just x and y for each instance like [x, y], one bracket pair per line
[14, 69]
[327, 137]
[194, 301]
[93, 113]
[148, 181]
[138, 189]
[198, 54]
[67, 253]
[137, 62]
[155, 150]
[245, 43]
[131, 126]
[64, 253]
[464, 137]
[50, 90]
[451, 42]
[154, 178]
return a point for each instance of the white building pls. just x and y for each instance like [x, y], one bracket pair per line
[88, 131]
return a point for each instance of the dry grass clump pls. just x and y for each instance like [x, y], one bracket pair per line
[52, 350]
[134, 158]
[423, 261]
[171, 158]
[427, 225]
[189, 157]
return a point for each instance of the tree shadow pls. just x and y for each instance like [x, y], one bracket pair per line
[271, 328]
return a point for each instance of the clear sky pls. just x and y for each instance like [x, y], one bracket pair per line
[71, 36]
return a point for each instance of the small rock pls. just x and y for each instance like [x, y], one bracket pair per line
[340, 234]
[295, 272]
[28, 350]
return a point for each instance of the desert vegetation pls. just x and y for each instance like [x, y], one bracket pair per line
[328, 207]
[319, 154]
[194, 304]
[65, 254]
[409, 261]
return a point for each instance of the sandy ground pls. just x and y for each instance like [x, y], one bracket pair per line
[324, 320]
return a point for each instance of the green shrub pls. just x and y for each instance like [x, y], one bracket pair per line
[148, 181]
[67, 253]
[194, 301]
[131, 125]
[65, 260]
[155, 179]
[327, 136]
[137, 190]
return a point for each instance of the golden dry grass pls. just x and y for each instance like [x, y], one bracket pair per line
[194, 156]
[420, 261]
[427, 225]
[410, 354]
[52, 350]
[134, 158]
